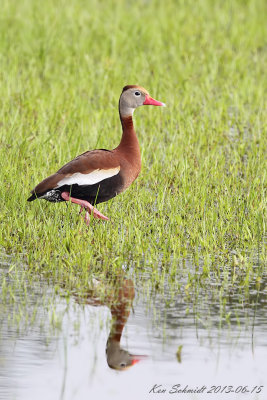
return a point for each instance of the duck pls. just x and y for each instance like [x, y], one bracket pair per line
[97, 176]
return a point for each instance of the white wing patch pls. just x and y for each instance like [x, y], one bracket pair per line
[93, 177]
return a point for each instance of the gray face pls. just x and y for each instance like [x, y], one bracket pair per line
[130, 100]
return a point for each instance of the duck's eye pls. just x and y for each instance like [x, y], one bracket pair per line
[137, 93]
[122, 365]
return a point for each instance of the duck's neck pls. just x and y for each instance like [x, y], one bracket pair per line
[129, 142]
[129, 139]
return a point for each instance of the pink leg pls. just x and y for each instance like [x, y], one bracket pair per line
[87, 218]
[87, 215]
[84, 204]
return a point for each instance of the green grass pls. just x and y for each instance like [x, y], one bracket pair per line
[200, 194]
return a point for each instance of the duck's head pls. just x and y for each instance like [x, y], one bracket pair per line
[133, 96]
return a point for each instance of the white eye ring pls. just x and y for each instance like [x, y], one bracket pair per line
[137, 93]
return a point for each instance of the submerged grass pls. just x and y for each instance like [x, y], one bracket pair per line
[202, 187]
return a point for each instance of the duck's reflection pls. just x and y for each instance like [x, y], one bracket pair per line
[118, 296]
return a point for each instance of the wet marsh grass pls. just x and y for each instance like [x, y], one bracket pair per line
[201, 192]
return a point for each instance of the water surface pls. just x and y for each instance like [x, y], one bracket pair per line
[178, 343]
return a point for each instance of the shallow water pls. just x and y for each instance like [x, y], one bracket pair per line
[72, 362]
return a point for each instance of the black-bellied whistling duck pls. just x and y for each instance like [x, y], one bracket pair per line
[98, 175]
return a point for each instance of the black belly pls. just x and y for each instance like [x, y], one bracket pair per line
[97, 193]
